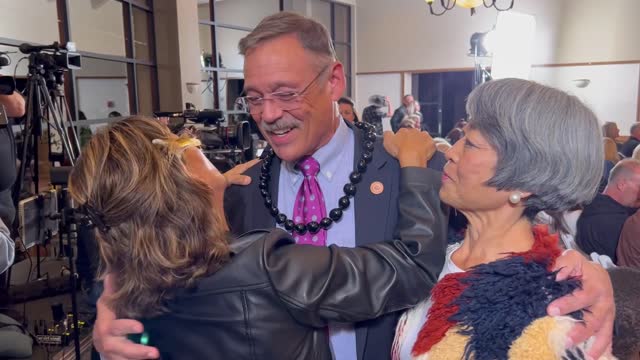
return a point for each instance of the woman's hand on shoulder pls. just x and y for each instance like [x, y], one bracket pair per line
[235, 176]
[411, 147]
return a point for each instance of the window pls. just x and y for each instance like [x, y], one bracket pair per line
[115, 39]
[442, 97]
[336, 17]
[224, 23]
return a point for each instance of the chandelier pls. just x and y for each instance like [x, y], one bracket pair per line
[467, 4]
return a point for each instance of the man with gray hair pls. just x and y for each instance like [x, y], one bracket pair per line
[601, 222]
[634, 140]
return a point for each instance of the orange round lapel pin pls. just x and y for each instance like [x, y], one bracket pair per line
[376, 188]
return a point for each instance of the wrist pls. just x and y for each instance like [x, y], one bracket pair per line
[412, 159]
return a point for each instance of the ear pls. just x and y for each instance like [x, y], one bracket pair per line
[337, 81]
[524, 195]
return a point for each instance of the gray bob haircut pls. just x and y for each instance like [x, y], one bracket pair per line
[547, 141]
[312, 35]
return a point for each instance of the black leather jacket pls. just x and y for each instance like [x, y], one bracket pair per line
[274, 299]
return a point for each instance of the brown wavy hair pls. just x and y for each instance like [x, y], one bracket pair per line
[163, 233]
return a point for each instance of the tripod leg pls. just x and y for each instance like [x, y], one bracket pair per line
[52, 111]
[70, 125]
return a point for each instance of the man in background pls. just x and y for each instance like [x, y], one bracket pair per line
[407, 108]
[600, 223]
[633, 141]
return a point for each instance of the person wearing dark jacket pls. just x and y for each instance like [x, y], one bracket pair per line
[407, 108]
[379, 108]
[629, 244]
[600, 223]
[633, 141]
[150, 195]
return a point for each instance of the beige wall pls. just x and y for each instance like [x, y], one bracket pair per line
[596, 31]
[612, 93]
[406, 37]
[567, 31]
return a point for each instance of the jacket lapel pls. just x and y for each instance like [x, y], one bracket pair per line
[370, 209]
[261, 217]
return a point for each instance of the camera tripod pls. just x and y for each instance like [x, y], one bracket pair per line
[46, 102]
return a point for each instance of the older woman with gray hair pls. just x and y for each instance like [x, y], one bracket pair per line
[493, 293]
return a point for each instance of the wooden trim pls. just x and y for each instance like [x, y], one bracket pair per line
[426, 71]
[589, 63]
[423, 71]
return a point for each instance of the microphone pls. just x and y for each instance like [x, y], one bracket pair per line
[27, 48]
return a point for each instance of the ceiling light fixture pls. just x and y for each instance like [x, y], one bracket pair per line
[447, 5]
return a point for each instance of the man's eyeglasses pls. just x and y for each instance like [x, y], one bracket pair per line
[285, 100]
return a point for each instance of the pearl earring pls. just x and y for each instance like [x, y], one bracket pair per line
[515, 198]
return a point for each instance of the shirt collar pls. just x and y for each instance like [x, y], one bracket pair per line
[330, 156]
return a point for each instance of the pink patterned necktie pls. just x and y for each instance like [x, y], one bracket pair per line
[309, 204]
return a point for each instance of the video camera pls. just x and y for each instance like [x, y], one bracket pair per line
[206, 116]
[225, 145]
[213, 134]
[54, 56]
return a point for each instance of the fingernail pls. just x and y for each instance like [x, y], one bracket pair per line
[554, 311]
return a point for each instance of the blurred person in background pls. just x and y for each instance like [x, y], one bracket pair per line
[636, 153]
[347, 109]
[378, 109]
[633, 141]
[408, 107]
[611, 158]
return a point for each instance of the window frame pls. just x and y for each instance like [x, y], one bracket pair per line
[65, 35]
[216, 70]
